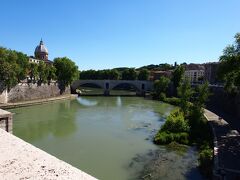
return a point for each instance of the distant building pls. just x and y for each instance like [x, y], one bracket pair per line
[194, 73]
[41, 54]
[155, 75]
[211, 72]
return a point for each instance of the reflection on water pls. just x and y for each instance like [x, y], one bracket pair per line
[119, 101]
[101, 135]
[86, 102]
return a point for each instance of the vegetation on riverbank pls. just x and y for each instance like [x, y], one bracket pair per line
[186, 125]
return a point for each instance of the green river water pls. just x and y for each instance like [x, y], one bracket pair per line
[107, 137]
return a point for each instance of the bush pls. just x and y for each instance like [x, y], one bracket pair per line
[174, 101]
[205, 161]
[175, 123]
[166, 138]
[162, 96]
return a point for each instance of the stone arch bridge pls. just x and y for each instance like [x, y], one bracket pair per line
[107, 85]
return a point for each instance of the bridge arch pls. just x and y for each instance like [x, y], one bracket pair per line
[127, 83]
[90, 84]
[108, 85]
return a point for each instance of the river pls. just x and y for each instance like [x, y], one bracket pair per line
[107, 137]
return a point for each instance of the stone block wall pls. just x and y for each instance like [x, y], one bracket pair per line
[26, 92]
[221, 101]
[6, 121]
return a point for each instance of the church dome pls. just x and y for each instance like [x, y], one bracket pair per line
[41, 51]
[41, 48]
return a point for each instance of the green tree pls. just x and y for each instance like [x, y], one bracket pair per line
[197, 121]
[42, 72]
[143, 74]
[185, 93]
[8, 75]
[23, 65]
[177, 76]
[175, 123]
[113, 74]
[33, 71]
[66, 70]
[129, 74]
[229, 67]
[18, 61]
[202, 94]
[160, 88]
[14, 67]
[51, 73]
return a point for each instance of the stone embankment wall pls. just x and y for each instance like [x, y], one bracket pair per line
[26, 92]
[6, 120]
[221, 101]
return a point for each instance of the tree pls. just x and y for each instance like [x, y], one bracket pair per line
[66, 70]
[42, 72]
[23, 65]
[160, 88]
[202, 94]
[196, 118]
[33, 71]
[178, 75]
[51, 73]
[129, 74]
[229, 67]
[185, 93]
[14, 67]
[7, 75]
[113, 74]
[143, 74]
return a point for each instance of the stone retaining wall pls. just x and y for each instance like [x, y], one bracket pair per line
[6, 120]
[26, 92]
[220, 101]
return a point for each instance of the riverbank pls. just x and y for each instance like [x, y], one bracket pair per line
[226, 145]
[188, 127]
[21, 160]
[36, 102]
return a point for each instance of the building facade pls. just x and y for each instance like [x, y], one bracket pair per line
[194, 73]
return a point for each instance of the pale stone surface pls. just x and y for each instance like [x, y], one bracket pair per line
[6, 120]
[21, 160]
[26, 92]
[3, 96]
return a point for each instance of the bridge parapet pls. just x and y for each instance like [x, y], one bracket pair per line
[108, 85]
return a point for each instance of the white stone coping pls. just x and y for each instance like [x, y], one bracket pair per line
[21, 160]
[4, 113]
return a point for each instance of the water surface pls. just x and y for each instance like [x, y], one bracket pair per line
[107, 137]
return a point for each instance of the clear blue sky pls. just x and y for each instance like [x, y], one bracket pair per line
[101, 34]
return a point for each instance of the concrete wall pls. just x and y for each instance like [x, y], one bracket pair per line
[26, 92]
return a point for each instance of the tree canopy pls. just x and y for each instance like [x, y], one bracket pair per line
[129, 74]
[143, 74]
[112, 74]
[229, 67]
[66, 70]
[13, 67]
